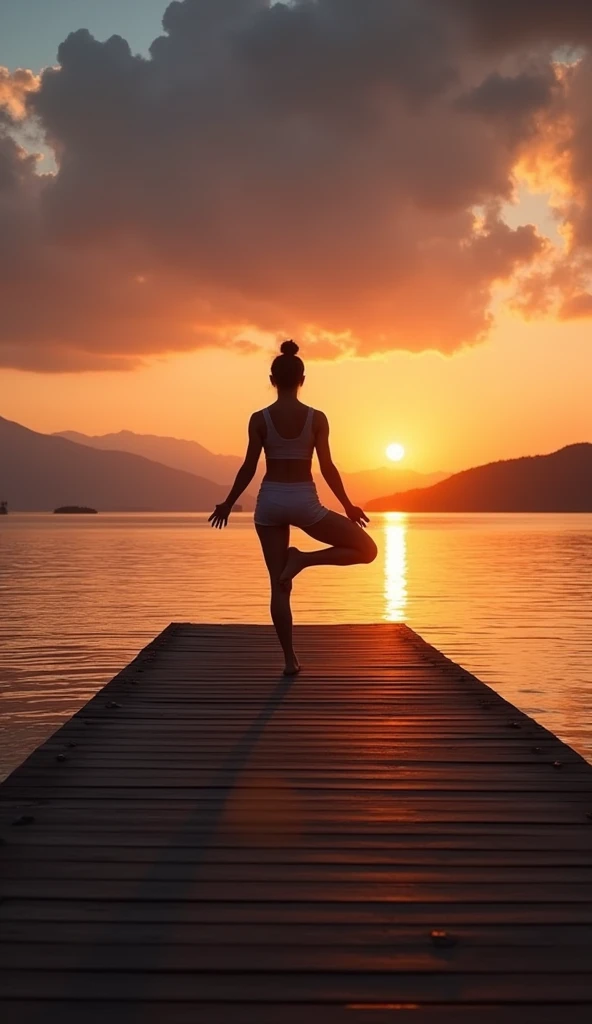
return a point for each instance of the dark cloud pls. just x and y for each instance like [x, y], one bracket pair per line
[332, 169]
[495, 23]
[508, 96]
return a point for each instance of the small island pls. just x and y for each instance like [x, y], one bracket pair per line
[74, 510]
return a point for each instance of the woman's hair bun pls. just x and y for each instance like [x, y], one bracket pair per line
[289, 348]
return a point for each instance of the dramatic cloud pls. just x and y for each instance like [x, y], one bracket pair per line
[334, 170]
[559, 161]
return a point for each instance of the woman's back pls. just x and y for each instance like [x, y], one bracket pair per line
[288, 438]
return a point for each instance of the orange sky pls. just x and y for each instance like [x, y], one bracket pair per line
[525, 391]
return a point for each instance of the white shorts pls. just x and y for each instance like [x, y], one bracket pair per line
[288, 505]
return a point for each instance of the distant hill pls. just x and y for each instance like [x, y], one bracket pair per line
[194, 458]
[39, 472]
[560, 482]
[170, 451]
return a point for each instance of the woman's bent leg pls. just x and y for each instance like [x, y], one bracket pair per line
[274, 542]
[349, 545]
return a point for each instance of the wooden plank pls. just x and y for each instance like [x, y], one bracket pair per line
[155, 1012]
[298, 987]
[539, 779]
[395, 857]
[146, 887]
[424, 915]
[246, 817]
[206, 840]
[327, 935]
[460, 834]
[498, 840]
[291, 873]
[180, 958]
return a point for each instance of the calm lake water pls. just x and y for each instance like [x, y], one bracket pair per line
[508, 596]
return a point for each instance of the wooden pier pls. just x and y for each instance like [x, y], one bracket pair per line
[381, 839]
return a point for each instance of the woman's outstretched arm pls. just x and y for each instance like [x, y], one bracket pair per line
[331, 473]
[219, 517]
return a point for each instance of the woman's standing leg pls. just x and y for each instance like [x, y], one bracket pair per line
[349, 545]
[274, 542]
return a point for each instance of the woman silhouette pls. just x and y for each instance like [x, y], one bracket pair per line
[289, 432]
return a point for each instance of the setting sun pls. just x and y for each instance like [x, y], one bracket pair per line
[395, 452]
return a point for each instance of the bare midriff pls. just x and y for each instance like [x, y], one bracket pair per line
[288, 471]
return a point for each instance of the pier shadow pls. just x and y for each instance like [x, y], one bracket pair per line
[206, 824]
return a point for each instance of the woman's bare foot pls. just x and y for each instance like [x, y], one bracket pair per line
[294, 565]
[293, 667]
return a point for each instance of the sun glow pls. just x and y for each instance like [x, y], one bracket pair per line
[395, 452]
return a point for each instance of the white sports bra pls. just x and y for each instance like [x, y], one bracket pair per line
[277, 447]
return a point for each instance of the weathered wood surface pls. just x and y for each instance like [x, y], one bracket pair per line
[207, 841]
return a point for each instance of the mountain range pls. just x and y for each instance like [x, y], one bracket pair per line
[194, 458]
[39, 472]
[560, 482]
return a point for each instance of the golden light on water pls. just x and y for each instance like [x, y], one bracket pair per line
[395, 452]
[395, 566]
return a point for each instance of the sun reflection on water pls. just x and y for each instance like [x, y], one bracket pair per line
[395, 566]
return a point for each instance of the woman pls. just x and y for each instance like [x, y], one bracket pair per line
[289, 432]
